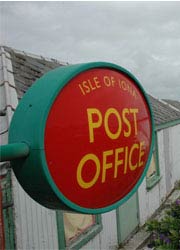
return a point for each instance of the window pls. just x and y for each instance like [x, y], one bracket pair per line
[75, 230]
[153, 174]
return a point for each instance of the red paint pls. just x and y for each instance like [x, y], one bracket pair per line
[68, 140]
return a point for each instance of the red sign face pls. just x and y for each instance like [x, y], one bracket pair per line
[97, 138]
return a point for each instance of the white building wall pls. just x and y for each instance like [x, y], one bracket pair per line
[107, 238]
[169, 166]
[148, 201]
[175, 148]
[35, 226]
[161, 160]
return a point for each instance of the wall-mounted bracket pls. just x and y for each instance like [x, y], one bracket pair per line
[13, 151]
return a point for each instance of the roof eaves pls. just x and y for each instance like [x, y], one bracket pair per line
[39, 57]
[27, 68]
[167, 124]
[8, 94]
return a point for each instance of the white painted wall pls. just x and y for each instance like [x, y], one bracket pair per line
[107, 238]
[32, 220]
[35, 226]
[169, 164]
[175, 144]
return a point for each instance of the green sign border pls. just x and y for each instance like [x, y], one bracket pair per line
[28, 126]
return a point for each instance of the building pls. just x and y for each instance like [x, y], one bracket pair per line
[24, 224]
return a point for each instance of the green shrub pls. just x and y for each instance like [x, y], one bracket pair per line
[166, 232]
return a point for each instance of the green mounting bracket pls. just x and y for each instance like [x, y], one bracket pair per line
[13, 151]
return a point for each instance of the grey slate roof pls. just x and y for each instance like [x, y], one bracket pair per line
[27, 68]
[173, 103]
[162, 112]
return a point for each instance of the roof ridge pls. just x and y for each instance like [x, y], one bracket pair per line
[22, 52]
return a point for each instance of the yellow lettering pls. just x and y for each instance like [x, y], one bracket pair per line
[117, 161]
[97, 82]
[112, 81]
[111, 135]
[141, 153]
[123, 157]
[81, 182]
[81, 89]
[127, 122]
[126, 160]
[135, 111]
[86, 87]
[106, 165]
[92, 124]
[107, 81]
[91, 86]
[131, 166]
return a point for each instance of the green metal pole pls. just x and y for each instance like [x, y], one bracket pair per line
[13, 151]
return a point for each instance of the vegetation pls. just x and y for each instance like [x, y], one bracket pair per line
[166, 232]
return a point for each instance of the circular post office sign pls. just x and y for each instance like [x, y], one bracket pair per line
[90, 132]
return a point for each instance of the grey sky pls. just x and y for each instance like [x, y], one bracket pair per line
[143, 37]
